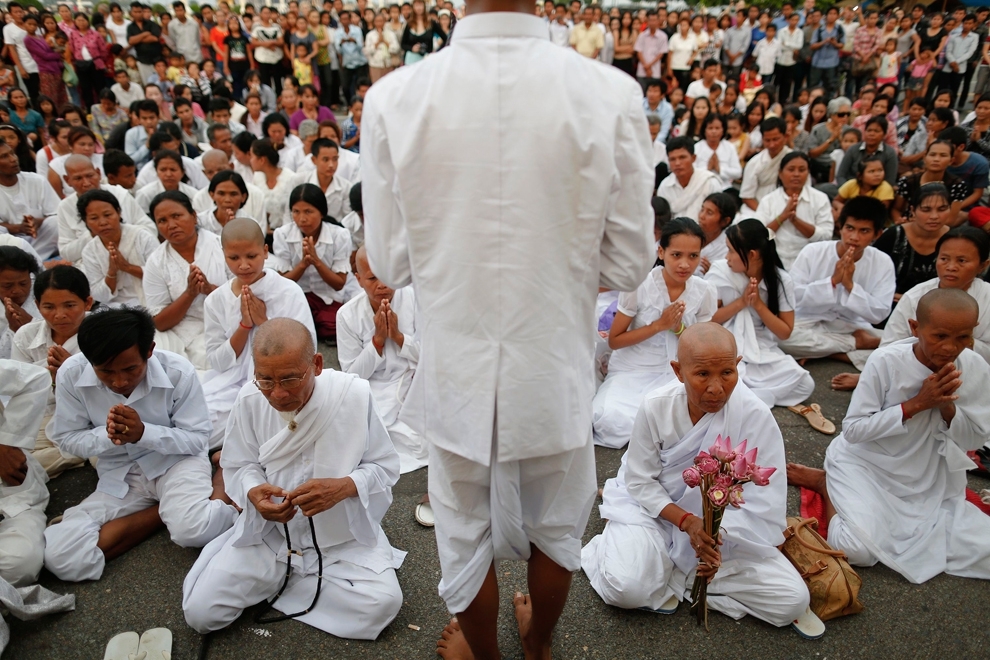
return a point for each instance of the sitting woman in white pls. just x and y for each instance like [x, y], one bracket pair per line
[62, 296]
[229, 193]
[179, 275]
[277, 182]
[644, 334]
[795, 212]
[717, 212]
[114, 259]
[717, 154]
[171, 176]
[756, 304]
[81, 141]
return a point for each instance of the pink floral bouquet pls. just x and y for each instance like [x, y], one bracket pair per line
[720, 473]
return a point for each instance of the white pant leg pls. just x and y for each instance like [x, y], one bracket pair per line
[968, 550]
[413, 452]
[817, 340]
[616, 404]
[840, 537]
[71, 551]
[225, 580]
[22, 535]
[183, 492]
[46, 242]
[780, 383]
[629, 567]
[768, 588]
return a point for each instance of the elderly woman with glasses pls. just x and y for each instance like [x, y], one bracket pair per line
[826, 136]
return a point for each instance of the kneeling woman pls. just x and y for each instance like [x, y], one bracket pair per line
[62, 296]
[114, 259]
[179, 274]
[756, 304]
[647, 325]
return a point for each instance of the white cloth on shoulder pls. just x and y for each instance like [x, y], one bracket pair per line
[73, 234]
[136, 245]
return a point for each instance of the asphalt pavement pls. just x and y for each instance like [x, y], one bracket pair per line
[945, 617]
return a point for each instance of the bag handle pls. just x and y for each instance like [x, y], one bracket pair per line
[792, 531]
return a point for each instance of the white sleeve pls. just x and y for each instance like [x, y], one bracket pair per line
[748, 188]
[94, 265]
[70, 242]
[135, 217]
[355, 356]
[643, 465]
[156, 293]
[219, 352]
[27, 386]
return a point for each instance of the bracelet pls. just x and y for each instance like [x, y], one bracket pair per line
[683, 518]
[376, 345]
[680, 330]
[246, 327]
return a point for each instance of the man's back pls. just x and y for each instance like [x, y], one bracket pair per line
[508, 179]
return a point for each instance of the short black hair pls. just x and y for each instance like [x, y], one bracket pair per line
[96, 195]
[979, 238]
[661, 212]
[148, 105]
[771, 123]
[711, 61]
[244, 140]
[944, 115]
[681, 142]
[877, 121]
[211, 130]
[219, 104]
[865, 208]
[114, 159]
[274, 118]
[956, 135]
[62, 278]
[180, 101]
[920, 101]
[105, 334]
[357, 205]
[14, 258]
[656, 82]
[323, 143]
[171, 196]
[263, 149]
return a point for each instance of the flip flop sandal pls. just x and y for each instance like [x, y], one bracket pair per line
[424, 512]
[156, 644]
[122, 647]
[813, 414]
[669, 607]
[808, 625]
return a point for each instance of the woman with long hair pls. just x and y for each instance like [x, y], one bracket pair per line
[274, 180]
[692, 125]
[29, 121]
[625, 42]
[89, 56]
[16, 140]
[417, 38]
[170, 174]
[50, 64]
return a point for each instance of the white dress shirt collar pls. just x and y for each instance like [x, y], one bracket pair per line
[500, 24]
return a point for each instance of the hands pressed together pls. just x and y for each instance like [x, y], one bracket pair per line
[845, 268]
[386, 327]
[197, 283]
[253, 309]
[15, 314]
[671, 317]
[124, 425]
[313, 497]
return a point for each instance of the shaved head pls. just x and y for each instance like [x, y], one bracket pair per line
[285, 359]
[361, 261]
[376, 289]
[938, 303]
[706, 364]
[283, 337]
[214, 159]
[704, 341]
[78, 162]
[242, 229]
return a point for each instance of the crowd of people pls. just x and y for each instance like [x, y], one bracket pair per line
[182, 222]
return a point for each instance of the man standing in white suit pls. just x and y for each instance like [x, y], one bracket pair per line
[506, 235]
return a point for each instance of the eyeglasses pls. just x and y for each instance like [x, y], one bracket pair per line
[842, 114]
[267, 385]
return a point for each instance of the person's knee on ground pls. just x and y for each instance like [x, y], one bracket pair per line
[196, 527]
[71, 551]
[840, 537]
[21, 560]
[380, 601]
[620, 567]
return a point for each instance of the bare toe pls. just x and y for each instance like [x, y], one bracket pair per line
[452, 644]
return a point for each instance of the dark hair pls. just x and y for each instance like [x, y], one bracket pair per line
[312, 195]
[211, 130]
[357, 204]
[752, 234]
[264, 149]
[181, 102]
[232, 176]
[168, 154]
[219, 104]
[877, 121]
[157, 139]
[808, 125]
[956, 135]
[944, 115]
[25, 157]
[974, 235]
[56, 125]
[114, 159]
[108, 95]
[77, 133]
[656, 82]
[865, 208]
[661, 212]
[62, 278]
[679, 226]
[680, 142]
[14, 258]
[322, 143]
[726, 205]
[96, 195]
[920, 100]
[693, 126]
[709, 62]
[872, 158]
[274, 118]
[105, 334]
[148, 105]
[711, 119]
[794, 155]
[308, 88]
[771, 123]
[244, 140]
[170, 196]
[933, 189]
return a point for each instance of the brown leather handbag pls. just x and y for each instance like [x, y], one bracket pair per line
[833, 584]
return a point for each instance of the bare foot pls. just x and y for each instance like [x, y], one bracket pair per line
[845, 382]
[524, 616]
[452, 644]
[806, 477]
[215, 459]
[802, 361]
[866, 340]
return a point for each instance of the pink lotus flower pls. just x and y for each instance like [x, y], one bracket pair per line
[740, 448]
[692, 477]
[740, 467]
[701, 456]
[718, 495]
[724, 479]
[709, 465]
[761, 475]
[736, 496]
[722, 449]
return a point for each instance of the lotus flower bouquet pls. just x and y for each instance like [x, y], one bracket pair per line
[720, 474]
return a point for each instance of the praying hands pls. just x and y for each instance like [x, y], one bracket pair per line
[16, 316]
[253, 309]
[124, 425]
[845, 268]
[196, 282]
[56, 356]
[28, 228]
[386, 327]
[938, 391]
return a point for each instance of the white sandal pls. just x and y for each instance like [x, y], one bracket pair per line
[424, 512]
[156, 644]
[122, 647]
[669, 607]
[808, 625]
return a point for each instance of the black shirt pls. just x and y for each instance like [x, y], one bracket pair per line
[910, 268]
[146, 53]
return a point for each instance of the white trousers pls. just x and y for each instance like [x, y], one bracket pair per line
[617, 402]
[46, 242]
[780, 383]
[819, 339]
[22, 535]
[182, 495]
[355, 602]
[492, 513]
[629, 567]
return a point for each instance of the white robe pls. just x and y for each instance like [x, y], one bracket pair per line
[208, 220]
[636, 370]
[728, 161]
[192, 169]
[826, 316]
[144, 195]
[641, 559]
[253, 208]
[333, 247]
[813, 207]
[7, 335]
[136, 245]
[73, 234]
[36, 198]
[772, 375]
[354, 224]
[221, 317]
[339, 434]
[277, 198]
[165, 279]
[25, 388]
[716, 250]
[390, 373]
[349, 166]
[760, 175]
[686, 201]
[337, 194]
[898, 486]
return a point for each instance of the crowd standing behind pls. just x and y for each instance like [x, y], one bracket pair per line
[184, 178]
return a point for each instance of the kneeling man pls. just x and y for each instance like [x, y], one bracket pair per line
[654, 541]
[307, 457]
[142, 412]
[894, 482]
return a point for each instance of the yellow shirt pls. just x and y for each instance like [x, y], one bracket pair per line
[303, 72]
[587, 40]
[884, 192]
[173, 73]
